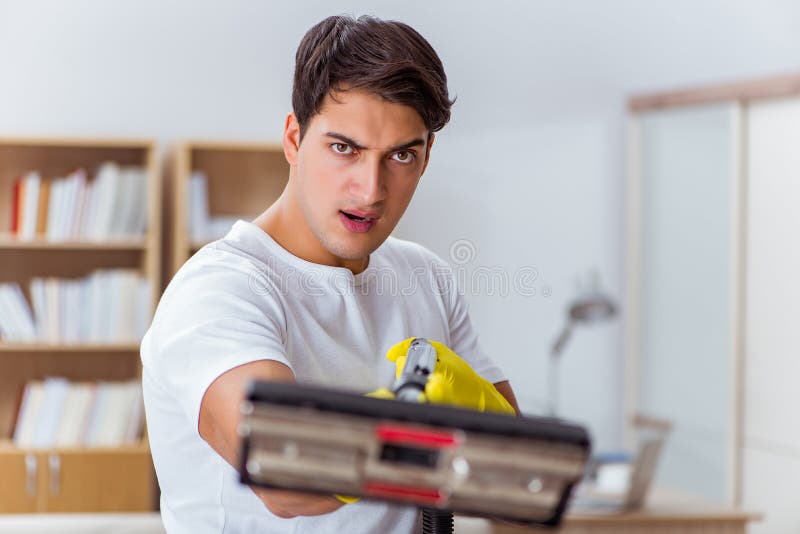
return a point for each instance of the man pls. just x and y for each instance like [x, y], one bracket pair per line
[299, 293]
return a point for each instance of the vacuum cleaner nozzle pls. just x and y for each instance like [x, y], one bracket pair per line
[326, 441]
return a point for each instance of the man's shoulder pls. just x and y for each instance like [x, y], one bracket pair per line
[220, 273]
[238, 256]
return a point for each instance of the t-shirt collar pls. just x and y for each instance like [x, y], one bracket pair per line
[246, 227]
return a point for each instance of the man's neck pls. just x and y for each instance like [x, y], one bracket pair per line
[280, 222]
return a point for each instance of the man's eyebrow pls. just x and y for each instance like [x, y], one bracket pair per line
[344, 139]
[415, 142]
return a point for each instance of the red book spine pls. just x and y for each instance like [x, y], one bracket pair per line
[15, 206]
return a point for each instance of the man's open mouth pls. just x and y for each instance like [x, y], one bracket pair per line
[356, 217]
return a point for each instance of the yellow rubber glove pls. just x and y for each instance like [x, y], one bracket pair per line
[347, 499]
[453, 381]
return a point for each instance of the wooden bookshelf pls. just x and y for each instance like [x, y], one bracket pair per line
[70, 347]
[244, 178]
[115, 479]
[9, 241]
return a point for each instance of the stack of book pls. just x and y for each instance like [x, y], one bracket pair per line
[113, 205]
[58, 413]
[108, 306]
[203, 227]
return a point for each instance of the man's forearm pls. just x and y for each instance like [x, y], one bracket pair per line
[504, 388]
[288, 504]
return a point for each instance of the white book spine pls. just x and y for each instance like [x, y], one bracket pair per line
[39, 301]
[115, 201]
[24, 430]
[198, 206]
[92, 311]
[24, 313]
[96, 415]
[142, 206]
[136, 418]
[83, 306]
[68, 208]
[8, 316]
[51, 292]
[55, 392]
[102, 312]
[5, 328]
[63, 209]
[17, 318]
[52, 209]
[63, 310]
[30, 207]
[128, 204]
[106, 185]
[72, 425]
[143, 308]
[71, 311]
[79, 200]
[88, 211]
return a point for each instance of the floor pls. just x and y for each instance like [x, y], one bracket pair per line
[136, 524]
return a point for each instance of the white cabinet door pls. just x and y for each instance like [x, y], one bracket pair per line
[772, 335]
[686, 296]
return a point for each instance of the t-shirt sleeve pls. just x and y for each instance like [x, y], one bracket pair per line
[464, 336]
[210, 321]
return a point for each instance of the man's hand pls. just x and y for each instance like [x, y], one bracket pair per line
[453, 381]
[473, 392]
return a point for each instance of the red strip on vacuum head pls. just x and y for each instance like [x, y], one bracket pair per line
[414, 436]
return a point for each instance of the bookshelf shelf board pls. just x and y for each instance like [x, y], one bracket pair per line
[7, 446]
[67, 347]
[8, 241]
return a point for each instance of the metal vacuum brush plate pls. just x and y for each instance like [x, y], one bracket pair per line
[326, 441]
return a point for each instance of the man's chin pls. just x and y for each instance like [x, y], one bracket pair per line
[352, 253]
[347, 249]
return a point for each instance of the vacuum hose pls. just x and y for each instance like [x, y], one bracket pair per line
[437, 521]
[420, 363]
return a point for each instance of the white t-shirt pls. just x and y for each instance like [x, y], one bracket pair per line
[245, 298]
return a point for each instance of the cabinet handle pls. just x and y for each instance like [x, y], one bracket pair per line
[55, 474]
[30, 474]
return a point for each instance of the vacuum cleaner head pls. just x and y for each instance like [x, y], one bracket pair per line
[326, 441]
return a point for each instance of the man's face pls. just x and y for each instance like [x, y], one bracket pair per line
[356, 170]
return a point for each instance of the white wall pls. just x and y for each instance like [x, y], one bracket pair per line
[530, 170]
[772, 339]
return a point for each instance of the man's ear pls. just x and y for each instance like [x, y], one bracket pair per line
[291, 139]
[431, 137]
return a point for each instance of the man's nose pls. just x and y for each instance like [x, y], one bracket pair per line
[368, 185]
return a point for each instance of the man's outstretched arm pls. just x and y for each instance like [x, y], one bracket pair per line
[504, 388]
[219, 418]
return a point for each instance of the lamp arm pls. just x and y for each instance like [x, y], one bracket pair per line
[561, 340]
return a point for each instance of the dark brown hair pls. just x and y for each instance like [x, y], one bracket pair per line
[386, 58]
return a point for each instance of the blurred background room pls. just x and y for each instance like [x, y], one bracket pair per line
[636, 158]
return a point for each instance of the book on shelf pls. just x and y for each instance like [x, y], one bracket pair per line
[16, 320]
[15, 205]
[203, 227]
[108, 306]
[56, 412]
[112, 205]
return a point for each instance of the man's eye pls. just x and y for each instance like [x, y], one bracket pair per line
[404, 156]
[342, 148]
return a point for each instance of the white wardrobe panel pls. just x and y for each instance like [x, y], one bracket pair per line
[772, 340]
[771, 489]
[686, 362]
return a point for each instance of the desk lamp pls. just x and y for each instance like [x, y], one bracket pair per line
[592, 306]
